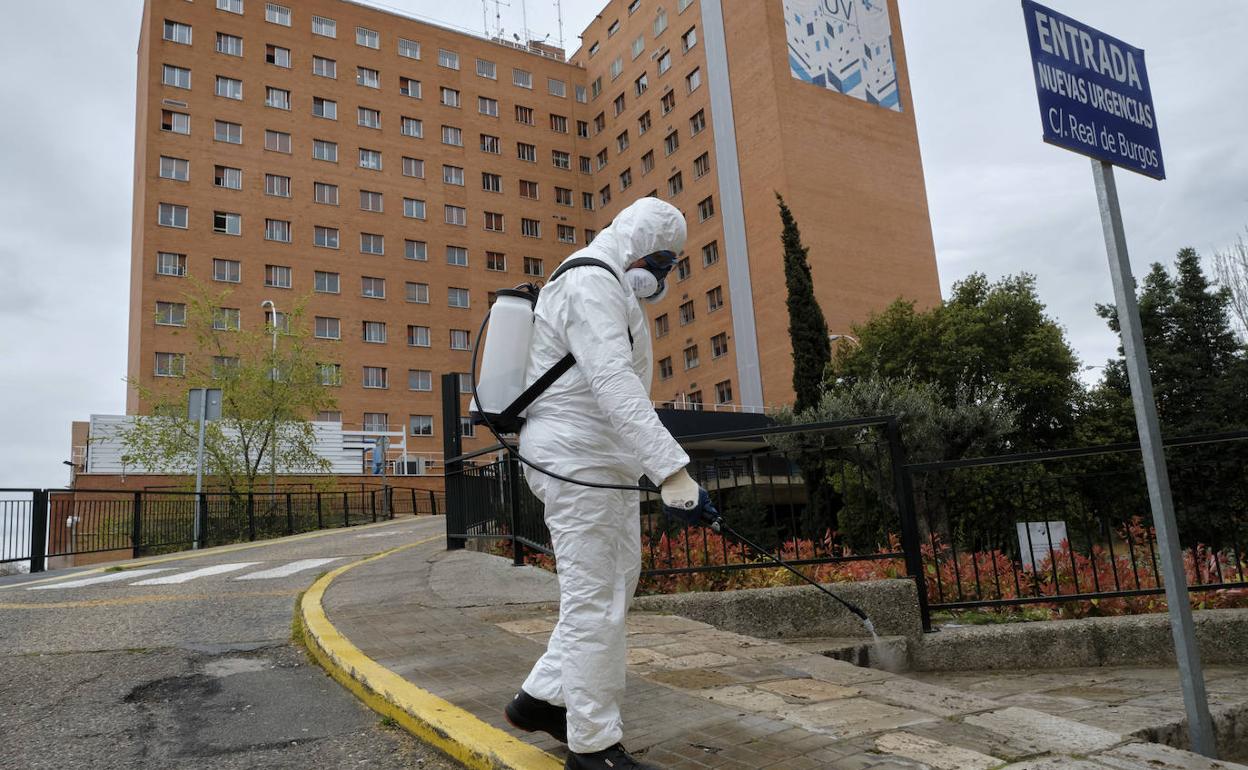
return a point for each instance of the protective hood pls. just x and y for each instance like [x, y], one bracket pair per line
[642, 228]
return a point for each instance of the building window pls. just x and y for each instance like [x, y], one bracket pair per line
[368, 117]
[556, 88]
[526, 152]
[702, 165]
[487, 69]
[323, 192]
[604, 196]
[694, 400]
[618, 104]
[177, 169]
[639, 45]
[277, 276]
[326, 283]
[561, 159]
[675, 184]
[375, 377]
[177, 122]
[453, 175]
[566, 233]
[697, 123]
[329, 416]
[227, 223]
[593, 49]
[626, 179]
[563, 196]
[668, 102]
[372, 243]
[602, 159]
[496, 261]
[327, 328]
[331, 375]
[229, 88]
[582, 129]
[172, 215]
[459, 339]
[719, 344]
[710, 253]
[456, 297]
[455, 215]
[530, 228]
[590, 234]
[170, 364]
[170, 314]
[415, 128]
[643, 123]
[647, 162]
[367, 77]
[413, 208]
[416, 292]
[277, 141]
[586, 165]
[660, 22]
[665, 368]
[374, 331]
[230, 45]
[421, 424]
[694, 79]
[600, 123]
[621, 141]
[487, 106]
[418, 336]
[227, 319]
[416, 250]
[587, 201]
[176, 77]
[367, 38]
[687, 315]
[641, 84]
[457, 255]
[533, 266]
[325, 68]
[450, 97]
[323, 150]
[558, 124]
[691, 356]
[665, 62]
[661, 326]
[522, 78]
[448, 59]
[420, 380]
[681, 5]
[524, 115]
[689, 39]
[370, 159]
[493, 222]
[373, 288]
[683, 270]
[671, 142]
[611, 30]
[227, 270]
[177, 32]
[324, 108]
[372, 201]
[277, 14]
[491, 144]
[325, 237]
[409, 49]
[230, 6]
[376, 421]
[275, 185]
[452, 136]
[409, 87]
[714, 299]
[324, 27]
[414, 167]
[582, 95]
[277, 230]
[706, 209]
[491, 182]
[168, 263]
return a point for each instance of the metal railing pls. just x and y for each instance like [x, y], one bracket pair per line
[39, 524]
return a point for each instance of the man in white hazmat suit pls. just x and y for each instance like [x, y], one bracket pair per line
[596, 423]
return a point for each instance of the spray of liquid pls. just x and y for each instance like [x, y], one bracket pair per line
[882, 655]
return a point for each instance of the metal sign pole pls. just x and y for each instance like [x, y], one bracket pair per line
[199, 461]
[1186, 650]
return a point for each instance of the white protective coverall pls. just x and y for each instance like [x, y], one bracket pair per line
[596, 423]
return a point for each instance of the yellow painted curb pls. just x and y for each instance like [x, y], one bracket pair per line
[438, 722]
[214, 550]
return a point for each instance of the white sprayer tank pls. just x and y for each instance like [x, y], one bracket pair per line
[500, 377]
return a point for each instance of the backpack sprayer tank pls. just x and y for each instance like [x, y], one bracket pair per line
[505, 359]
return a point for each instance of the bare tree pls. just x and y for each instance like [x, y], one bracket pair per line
[1231, 265]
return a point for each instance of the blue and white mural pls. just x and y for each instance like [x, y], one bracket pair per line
[844, 46]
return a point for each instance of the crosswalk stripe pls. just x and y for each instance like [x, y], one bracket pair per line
[111, 577]
[286, 569]
[183, 577]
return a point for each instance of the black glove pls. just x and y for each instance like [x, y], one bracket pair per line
[703, 514]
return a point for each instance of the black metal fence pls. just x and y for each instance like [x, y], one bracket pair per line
[38, 524]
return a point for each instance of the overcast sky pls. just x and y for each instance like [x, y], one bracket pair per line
[1001, 200]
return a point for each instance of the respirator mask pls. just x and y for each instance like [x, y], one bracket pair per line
[649, 282]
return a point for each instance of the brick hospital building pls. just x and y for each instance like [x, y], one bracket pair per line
[393, 174]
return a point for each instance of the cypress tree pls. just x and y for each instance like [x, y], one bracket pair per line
[808, 331]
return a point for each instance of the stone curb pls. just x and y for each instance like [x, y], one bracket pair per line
[441, 724]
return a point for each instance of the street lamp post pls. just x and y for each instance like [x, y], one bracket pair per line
[272, 306]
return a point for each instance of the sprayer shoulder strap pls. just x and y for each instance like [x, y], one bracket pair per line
[561, 367]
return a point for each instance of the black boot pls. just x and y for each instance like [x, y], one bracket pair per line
[529, 714]
[614, 758]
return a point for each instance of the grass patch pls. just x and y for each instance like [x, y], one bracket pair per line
[388, 722]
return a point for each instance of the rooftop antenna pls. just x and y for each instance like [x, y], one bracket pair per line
[524, 19]
[559, 15]
[497, 31]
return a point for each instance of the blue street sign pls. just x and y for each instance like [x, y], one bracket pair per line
[1094, 92]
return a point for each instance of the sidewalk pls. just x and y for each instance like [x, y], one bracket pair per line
[461, 630]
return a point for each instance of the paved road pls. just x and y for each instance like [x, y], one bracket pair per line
[189, 663]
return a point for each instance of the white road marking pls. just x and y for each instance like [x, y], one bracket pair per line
[286, 569]
[182, 577]
[111, 577]
[380, 534]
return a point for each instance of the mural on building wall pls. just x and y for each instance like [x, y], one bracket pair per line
[844, 46]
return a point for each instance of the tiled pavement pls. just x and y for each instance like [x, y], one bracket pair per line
[467, 627]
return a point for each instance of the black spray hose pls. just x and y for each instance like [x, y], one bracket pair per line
[718, 525]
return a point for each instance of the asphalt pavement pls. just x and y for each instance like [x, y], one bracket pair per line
[188, 661]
